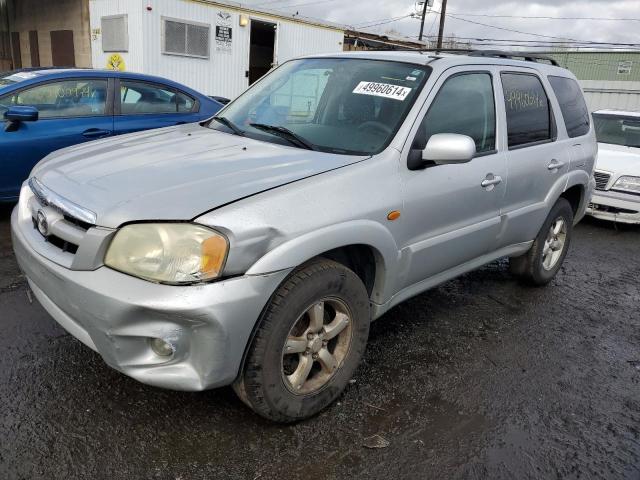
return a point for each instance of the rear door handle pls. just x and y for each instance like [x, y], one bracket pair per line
[555, 165]
[96, 133]
[491, 181]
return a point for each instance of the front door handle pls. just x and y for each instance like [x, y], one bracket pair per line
[555, 165]
[96, 133]
[491, 181]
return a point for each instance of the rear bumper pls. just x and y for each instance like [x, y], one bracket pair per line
[614, 206]
[116, 315]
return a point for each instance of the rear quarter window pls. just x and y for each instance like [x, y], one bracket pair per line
[572, 105]
[528, 110]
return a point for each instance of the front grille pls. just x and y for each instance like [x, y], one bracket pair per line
[64, 244]
[602, 180]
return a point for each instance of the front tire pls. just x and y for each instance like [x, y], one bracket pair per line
[543, 261]
[310, 340]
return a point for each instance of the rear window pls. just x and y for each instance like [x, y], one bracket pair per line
[528, 111]
[572, 104]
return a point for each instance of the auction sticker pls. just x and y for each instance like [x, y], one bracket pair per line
[386, 90]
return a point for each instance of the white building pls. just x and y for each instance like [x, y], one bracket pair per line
[217, 47]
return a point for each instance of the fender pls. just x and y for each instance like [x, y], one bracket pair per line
[359, 232]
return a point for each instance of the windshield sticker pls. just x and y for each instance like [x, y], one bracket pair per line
[386, 90]
[411, 79]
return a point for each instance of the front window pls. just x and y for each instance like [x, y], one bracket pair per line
[617, 130]
[337, 105]
[63, 99]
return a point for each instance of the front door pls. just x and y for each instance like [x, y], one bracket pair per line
[71, 111]
[262, 49]
[452, 212]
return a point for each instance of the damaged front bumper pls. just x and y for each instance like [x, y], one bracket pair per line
[207, 326]
[615, 206]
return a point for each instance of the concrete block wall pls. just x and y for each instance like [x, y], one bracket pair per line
[45, 16]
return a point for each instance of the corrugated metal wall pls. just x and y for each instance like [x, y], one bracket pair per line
[224, 72]
[612, 95]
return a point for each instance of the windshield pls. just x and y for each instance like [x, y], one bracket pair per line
[338, 105]
[618, 130]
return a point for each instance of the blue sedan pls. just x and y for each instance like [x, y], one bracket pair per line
[45, 110]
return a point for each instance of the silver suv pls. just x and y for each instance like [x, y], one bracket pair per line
[255, 248]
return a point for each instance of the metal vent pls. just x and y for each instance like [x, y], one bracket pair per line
[115, 34]
[189, 39]
[602, 180]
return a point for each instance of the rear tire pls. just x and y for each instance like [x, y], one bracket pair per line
[543, 261]
[310, 340]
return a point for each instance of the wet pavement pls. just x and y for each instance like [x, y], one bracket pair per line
[479, 378]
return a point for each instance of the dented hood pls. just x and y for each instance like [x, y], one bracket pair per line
[174, 173]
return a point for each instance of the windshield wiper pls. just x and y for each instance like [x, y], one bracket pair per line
[230, 125]
[285, 133]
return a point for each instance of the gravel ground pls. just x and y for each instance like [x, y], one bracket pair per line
[479, 378]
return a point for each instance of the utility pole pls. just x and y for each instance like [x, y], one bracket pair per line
[424, 15]
[443, 13]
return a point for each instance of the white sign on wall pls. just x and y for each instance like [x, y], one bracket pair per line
[224, 32]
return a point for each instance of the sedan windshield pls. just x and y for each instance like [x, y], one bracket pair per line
[617, 130]
[338, 105]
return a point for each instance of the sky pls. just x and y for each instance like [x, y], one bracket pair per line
[498, 13]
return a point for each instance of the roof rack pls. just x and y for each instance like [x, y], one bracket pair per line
[527, 56]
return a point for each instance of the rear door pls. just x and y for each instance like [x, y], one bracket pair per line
[538, 157]
[143, 105]
[71, 111]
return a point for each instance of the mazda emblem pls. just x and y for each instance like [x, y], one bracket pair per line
[42, 224]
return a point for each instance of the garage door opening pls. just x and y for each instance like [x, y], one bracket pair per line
[262, 50]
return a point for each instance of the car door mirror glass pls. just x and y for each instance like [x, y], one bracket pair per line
[449, 148]
[21, 114]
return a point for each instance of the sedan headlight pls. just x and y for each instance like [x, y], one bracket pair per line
[173, 253]
[627, 184]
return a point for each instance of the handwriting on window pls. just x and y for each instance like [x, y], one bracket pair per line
[521, 100]
[74, 92]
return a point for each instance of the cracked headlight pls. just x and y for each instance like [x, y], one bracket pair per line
[173, 253]
[627, 184]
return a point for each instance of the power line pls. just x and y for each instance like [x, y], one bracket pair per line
[546, 18]
[511, 30]
[390, 20]
[563, 39]
[547, 44]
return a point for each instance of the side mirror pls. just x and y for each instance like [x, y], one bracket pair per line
[449, 148]
[21, 114]
[443, 149]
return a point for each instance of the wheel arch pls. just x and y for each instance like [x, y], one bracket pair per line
[354, 244]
